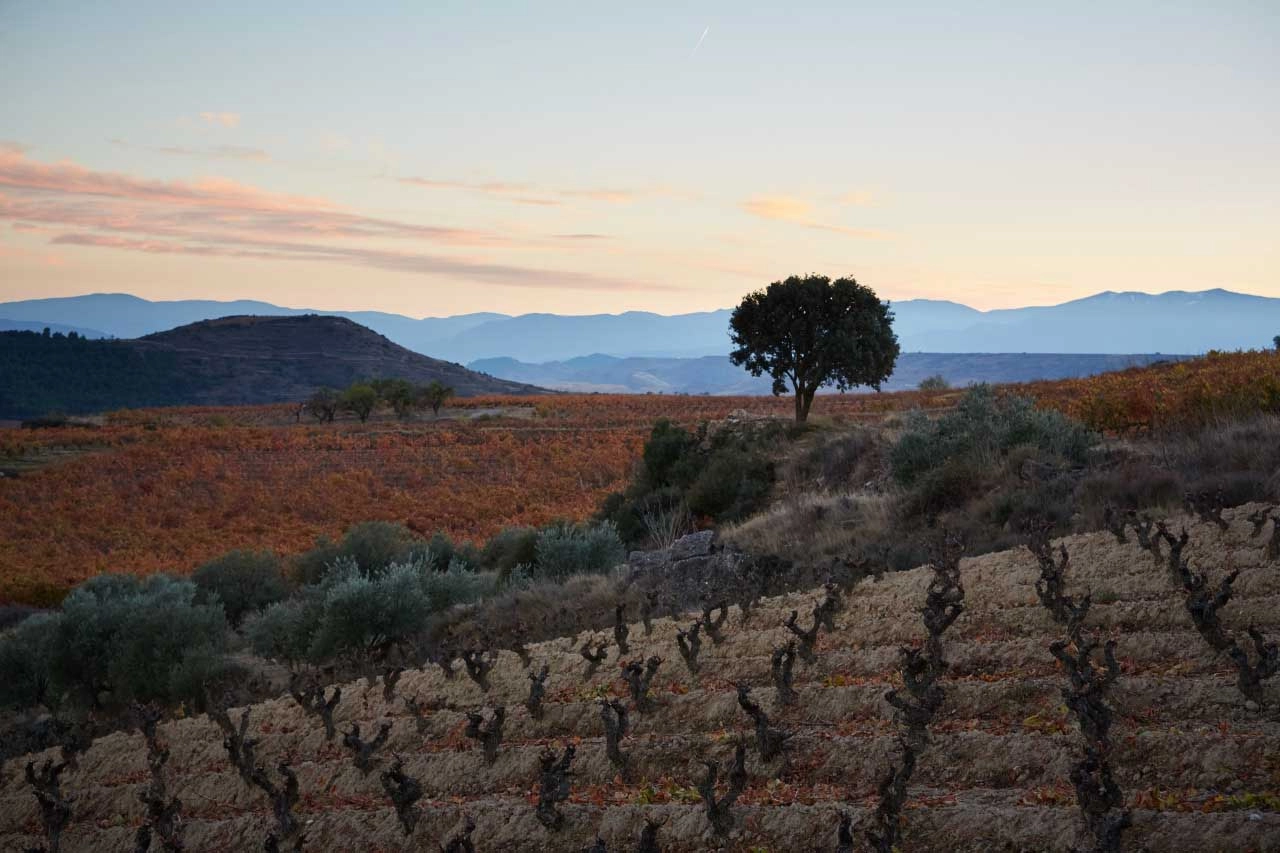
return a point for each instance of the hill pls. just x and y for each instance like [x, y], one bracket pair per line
[1107, 322]
[228, 361]
[58, 328]
[1193, 761]
[717, 375]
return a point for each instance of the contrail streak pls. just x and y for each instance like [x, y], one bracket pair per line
[700, 40]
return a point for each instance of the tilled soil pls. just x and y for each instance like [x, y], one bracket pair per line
[1199, 766]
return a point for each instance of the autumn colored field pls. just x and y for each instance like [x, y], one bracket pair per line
[1198, 766]
[165, 489]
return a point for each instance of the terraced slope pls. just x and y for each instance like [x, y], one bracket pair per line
[1199, 768]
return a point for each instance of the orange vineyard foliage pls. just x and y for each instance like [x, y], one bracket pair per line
[1169, 395]
[166, 489]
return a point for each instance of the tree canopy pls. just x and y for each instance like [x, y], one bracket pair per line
[811, 331]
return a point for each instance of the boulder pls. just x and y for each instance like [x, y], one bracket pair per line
[694, 545]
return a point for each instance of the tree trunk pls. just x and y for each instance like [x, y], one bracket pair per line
[808, 403]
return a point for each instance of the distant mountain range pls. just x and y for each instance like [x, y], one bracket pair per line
[717, 375]
[1108, 323]
[228, 361]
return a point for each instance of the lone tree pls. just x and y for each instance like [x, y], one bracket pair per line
[434, 395]
[360, 399]
[812, 331]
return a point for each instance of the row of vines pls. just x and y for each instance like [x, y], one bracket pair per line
[587, 742]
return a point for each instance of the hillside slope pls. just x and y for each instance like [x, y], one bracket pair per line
[229, 361]
[1199, 769]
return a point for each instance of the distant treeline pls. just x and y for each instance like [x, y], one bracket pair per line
[42, 373]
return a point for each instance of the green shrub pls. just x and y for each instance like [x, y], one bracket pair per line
[373, 545]
[936, 382]
[945, 488]
[457, 585]
[734, 483]
[566, 550]
[284, 630]
[26, 652]
[982, 430]
[311, 566]
[244, 581]
[508, 548]
[725, 476]
[669, 457]
[361, 616]
[364, 616]
[126, 638]
[441, 548]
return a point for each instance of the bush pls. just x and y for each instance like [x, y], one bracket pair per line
[669, 457]
[361, 616]
[116, 639]
[983, 429]
[375, 545]
[725, 476]
[565, 550]
[26, 652]
[360, 400]
[509, 548]
[734, 483]
[364, 616]
[372, 545]
[15, 614]
[833, 461]
[284, 630]
[457, 585]
[244, 581]
[944, 488]
[936, 382]
[311, 566]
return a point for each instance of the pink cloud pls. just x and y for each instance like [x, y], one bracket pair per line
[410, 262]
[223, 119]
[225, 152]
[20, 173]
[799, 212]
[216, 217]
[521, 193]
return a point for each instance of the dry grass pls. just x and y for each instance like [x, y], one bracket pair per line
[812, 528]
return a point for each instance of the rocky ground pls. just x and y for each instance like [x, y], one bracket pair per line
[1198, 764]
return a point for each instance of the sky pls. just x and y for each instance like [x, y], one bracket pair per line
[436, 158]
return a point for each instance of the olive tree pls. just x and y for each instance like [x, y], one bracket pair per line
[434, 395]
[810, 331]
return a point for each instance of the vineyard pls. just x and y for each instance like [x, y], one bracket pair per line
[166, 489]
[969, 705]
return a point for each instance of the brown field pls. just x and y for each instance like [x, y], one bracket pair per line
[1199, 769]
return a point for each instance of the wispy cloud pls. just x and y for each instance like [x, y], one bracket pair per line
[221, 119]
[218, 152]
[857, 198]
[523, 193]
[215, 217]
[799, 212]
[410, 262]
[214, 152]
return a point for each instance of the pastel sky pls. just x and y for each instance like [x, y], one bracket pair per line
[434, 158]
